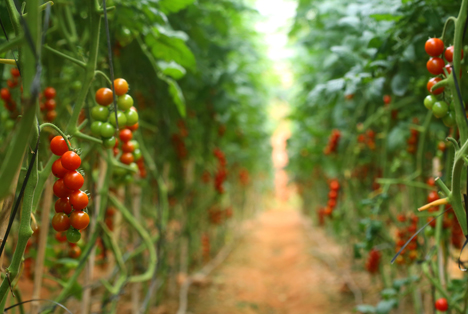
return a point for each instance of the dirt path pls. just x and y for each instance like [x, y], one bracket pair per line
[278, 269]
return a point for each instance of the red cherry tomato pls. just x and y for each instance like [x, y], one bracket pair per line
[5, 94]
[79, 219]
[387, 99]
[50, 92]
[60, 190]
[334, 185]
[449, 54]
[15, 72]
[60, 222]
[50, 104]
[128, 147]
[79, 200]
[62, 205]
[58, 170]
[127, 158]
[58, 146]
[441, 305]
[61, 237]
[51, 115]
[431, 83]
[434, 47]
[104, 96]
[120, 86]
[71, 160]
[433, 196]
[435, 66]
[74, 251]
[431, 181]
[133, 128]
[73, 180]
[125, 135]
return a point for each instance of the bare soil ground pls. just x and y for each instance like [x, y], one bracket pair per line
[278, 268]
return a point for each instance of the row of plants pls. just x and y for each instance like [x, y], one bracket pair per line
[380, 131]
[133, 141]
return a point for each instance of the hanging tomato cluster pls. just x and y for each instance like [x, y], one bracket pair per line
[221, 172]
[215, 215]
[333, 141]
[368, 138]
[244, 176]
[69, 215]
[5, 93]
[333, 194]
[404, 233]
[178, 140]
[49, 105]
[105, 121]
[412, 141]
[373, 261]
[205, 177]
[436, 66]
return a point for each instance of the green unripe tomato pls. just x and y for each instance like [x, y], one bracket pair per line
[9, 124]
[440, 109]
[76, 86]
[137, 154]
[449, 119]
[125, 102]
[118, 171]
[120, 117]
[135, 144]
[134, 166]
[132, 117]
[107, 130]
[128, 178]
[429, 101]
[96, 128]
[4, 116]
[109, 142]
[124, 36]
[100, 113]
[429, 231]
[73, 235]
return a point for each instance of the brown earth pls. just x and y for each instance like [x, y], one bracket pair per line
[278, 268]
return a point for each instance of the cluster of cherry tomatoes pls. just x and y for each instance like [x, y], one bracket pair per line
[217, 215]
[131, 155]
[412, 141]
[9, 103]
[368, 138]
[48, 106]
[404, 233]
[178, 140]
[105, 121]
[206, 176]
[69, 215]
[221, 172]
[244, 176]
[373, 261]
[333, 141]
[436, 66]
[334, 186]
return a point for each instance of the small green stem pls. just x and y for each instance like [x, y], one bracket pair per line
[65, 56]
[103, 75]
[144, 235]
[56, 128]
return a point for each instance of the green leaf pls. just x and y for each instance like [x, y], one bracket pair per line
[169, 46]
[385, 306]
[174, 5]
[365, 308]
[172, 69]
[400, 83]
[176, 94]
[388, 293]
